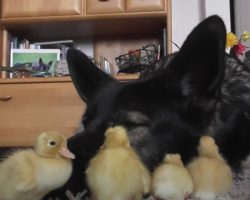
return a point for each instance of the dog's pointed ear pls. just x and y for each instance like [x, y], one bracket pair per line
[200, 63]
[86, 76]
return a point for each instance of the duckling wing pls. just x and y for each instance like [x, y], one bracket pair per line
[27, 183]
[24, 170]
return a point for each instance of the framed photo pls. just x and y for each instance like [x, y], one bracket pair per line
[40, 61]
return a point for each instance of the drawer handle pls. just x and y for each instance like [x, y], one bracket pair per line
[5, 98]
[103, 0]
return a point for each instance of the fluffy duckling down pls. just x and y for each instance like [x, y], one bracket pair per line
[31, 174]
[116, 172]
[171, 180]
[212, 177]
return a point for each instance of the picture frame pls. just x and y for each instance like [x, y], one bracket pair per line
[41, 62]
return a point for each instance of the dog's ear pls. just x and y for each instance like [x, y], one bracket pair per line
[86, 76]
[199, 66]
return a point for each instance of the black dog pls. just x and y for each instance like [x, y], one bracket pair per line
[196, 93]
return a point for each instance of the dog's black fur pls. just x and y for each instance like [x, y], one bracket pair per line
[196, 93]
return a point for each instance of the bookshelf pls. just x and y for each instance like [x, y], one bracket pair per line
[123, 25]
[113, 26]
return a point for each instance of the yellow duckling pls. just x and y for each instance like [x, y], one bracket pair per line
[116, 172]
[171, 180]
[31, 174]
[212, 177]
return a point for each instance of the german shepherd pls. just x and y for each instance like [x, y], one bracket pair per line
[201, 91]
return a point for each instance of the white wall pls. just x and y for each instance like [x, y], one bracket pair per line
[186, 14]
[242, 17]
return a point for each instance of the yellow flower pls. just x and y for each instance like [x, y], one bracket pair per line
[232, 39]
[245, 36]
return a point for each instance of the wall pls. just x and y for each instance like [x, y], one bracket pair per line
[242, 17]
[186, 14]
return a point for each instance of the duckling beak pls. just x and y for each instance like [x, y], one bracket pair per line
[64, 152]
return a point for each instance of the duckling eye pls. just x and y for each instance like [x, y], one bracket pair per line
[52, 143]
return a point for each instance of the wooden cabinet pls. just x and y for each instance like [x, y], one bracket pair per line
[114, 27]
[105, 7]
[145, 5]
[34, 8]
[117, 25]
[37, 105]
[118, 6]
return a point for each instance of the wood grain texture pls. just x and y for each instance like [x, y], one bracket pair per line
[95, 25]
[101, 7]
[37, 107]
[32, 8]
[169, 26]
[120, 77]
[145, 5]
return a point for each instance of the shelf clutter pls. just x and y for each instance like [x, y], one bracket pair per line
[103, 30]
[113, 28]
[40, 59]
[48, 59]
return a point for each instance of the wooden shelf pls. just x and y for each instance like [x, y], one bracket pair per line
[126, 77]
[35, 80]
[120, 77]
[89, 17]
[57, 28]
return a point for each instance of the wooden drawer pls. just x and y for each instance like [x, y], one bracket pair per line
[36, 8]
[37, 107]
[105, 7]
[145, 5]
